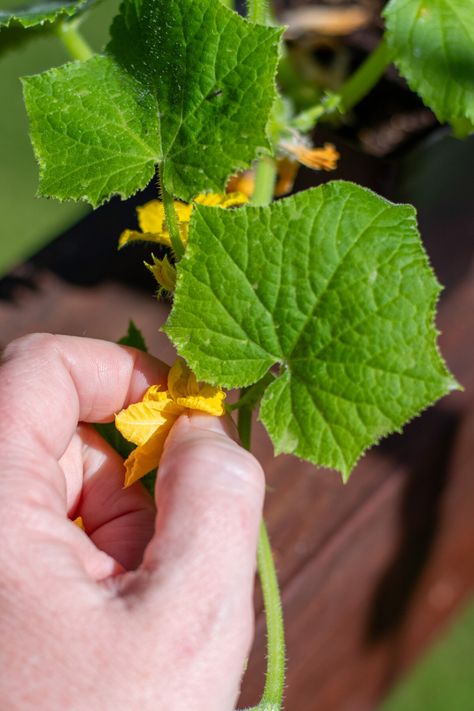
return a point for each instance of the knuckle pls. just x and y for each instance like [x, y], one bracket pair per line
[30, 343]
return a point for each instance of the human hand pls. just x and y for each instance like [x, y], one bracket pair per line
[80, 628]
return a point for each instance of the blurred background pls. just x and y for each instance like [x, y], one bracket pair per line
[387, 622]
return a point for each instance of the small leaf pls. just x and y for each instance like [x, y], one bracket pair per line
[38, 13]
[134, 338]
[112, 436]
[433, 42]
[186, 83]
[333, 285]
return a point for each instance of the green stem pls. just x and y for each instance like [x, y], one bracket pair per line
[352, 91]
[229, 3]
[366, 76]
[272, 698]
[257, 11]
[265, 176]
[251, 396]
[172, 222]
[245, 423]
[73, 41]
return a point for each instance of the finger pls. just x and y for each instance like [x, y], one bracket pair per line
[202, 556]
[119, 521]
[47, 384]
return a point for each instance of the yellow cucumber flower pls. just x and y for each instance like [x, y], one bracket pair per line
[147, 423]
[324, 158]
[152, 219]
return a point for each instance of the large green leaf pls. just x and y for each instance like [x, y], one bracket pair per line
[334, 286]
[433, 41]
[186, 83]
[39, 13]
[94, 131]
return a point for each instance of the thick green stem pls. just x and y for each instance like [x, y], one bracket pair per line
[172, 222]
[272, 698]
[257, 11]
[366, 76]
[73, 40]
[265, 176]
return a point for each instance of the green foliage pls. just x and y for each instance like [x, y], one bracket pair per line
[112, 436]
[134, 338]
[332, 285]
[94, 132]
[20, 25]
[433, 41]
[39, 13]
[186, 83]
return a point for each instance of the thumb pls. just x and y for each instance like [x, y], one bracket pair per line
[202, 557]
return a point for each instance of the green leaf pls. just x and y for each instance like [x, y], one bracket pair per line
[333, 285]
[39, 13]
[20, 25]
[134, 338]
[112, 436]
[94, 131]
[434, 45]
[186, 83]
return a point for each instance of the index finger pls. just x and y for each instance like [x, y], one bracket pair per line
[49, 383]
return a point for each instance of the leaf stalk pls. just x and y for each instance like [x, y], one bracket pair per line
[366, 76]
[352, 91]
[265, 177]
[257, 11]
[73, 41]
[172, 222]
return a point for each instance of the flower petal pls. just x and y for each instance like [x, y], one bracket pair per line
[147, 457]
[183, 210]
[187, 392]
[225, 200]
[151, 216]
[139, 422]
[128, 236]
[286, 171]
[155, 393]
[324, 158]
[210, 400]
[243, 183]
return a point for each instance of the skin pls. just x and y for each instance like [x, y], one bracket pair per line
[146, 611]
